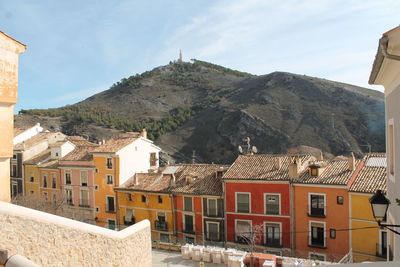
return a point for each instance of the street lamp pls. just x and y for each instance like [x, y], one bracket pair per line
[379, 205]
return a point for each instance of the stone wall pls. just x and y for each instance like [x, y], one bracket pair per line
[50, 240]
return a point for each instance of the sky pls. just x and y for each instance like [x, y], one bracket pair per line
[79, 48]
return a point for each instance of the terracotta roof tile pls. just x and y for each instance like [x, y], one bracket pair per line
[39, 158]
[371, 178]
[334, 172]
[263, 167]
[149, 182]
[117, 143]
[80, 153]
[40, 137]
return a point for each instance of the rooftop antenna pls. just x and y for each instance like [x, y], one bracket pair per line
[180, 60]
[248, 150]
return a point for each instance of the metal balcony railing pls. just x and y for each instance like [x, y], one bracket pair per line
[189, 229]
[317, 212]
[317, 242]
[274, 243]
[161, 225]
[129, 222]
[84, 203]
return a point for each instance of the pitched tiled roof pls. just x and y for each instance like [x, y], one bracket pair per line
[36, 139]
[149, 182]
[117, 143]
[80, 141]
[334, 172]
[263, 167]
[39, 158]
[204, 180]
[203, 176]
[18, 131]
[80, 153]
[371, 177]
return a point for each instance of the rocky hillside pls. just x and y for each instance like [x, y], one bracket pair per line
[204, 109]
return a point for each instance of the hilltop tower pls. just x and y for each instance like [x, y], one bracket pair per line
[180, 60]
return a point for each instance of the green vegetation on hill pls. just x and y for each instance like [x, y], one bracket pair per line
[221, 69]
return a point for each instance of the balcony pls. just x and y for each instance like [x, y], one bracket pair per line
[189, 229]
[242, 240]
[317, 242]
[273, 243]
[129, 222]
[70, 202]
[84, 203]
[317, 212]
[161, 225]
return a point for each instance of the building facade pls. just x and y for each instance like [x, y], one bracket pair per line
[386, 72]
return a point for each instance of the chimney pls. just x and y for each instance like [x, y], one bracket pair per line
[278, 163]
[320, 157]
[136, 179]
[173, 180]
[294, 168]
[103, 142]
[352, 162]
[144, 133]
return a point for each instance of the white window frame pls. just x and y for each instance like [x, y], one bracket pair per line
[216, 207]
[80, 195]
[191, 198]
[112, 163]
[391, 164]
[208, 232]
[241, 220]
[133, 212]
[265, 203]
[66, 195]
[53, 175]
[279, 224]
[184, 222]
[65, 176]
[309, 201]
[31, 175]
[113, 181]
[108, 208]
[317, 254]
[236, 199]
[87, 178]
[310, 231]
[164, 213]
[44, 174]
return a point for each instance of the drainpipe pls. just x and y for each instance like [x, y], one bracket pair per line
[383, 44]
[117, 209]
[174, 218]
[292, 219]
[224, 214]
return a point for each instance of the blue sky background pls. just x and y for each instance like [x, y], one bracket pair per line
[78, 48]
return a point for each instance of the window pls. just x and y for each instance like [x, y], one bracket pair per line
[243, 231]
[314, 171]
[161, 223]
[188, 224]
[111, 224]
[14, 156]
[128, 219]
[110, 204]
[144, 198]
[128, 196]
[160, 199]
[164, 238]
[84, 178]
[31, 177]
[32, 192]
[243, 202]
[54, 199]
[332, 233]
[14, 190]
[212, 207]
[153, 159]
[84, 198]
[317, 237]
[317, 205]
[317, 256]
[109, 163]
[67, 177]
[213, 231]
[272, 204]
[382, 250]
[188, 204]
[110, 179]
[44, 179]
[53, 180]
[391, 147]
[68, 194]
[339, 200]
[14, 170]
[272, 235]
[96, 187]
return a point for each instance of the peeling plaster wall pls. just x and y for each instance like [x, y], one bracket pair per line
[50, 240]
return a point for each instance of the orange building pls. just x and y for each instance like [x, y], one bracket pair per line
[321, 210]
[117, 161]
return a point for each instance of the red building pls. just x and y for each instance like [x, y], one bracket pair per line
[257, 197]
[198, 203]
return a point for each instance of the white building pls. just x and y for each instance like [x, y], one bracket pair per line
[386, 72]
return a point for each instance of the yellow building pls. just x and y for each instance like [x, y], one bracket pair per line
[368, 241]
[146, 196]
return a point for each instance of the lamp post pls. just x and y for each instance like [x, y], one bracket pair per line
[379, 205]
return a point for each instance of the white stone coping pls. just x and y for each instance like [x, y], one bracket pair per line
[43, 217]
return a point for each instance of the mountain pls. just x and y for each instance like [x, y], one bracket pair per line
[202, 111]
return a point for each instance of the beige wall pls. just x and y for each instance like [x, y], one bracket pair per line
[50, 240]
[5, 179]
